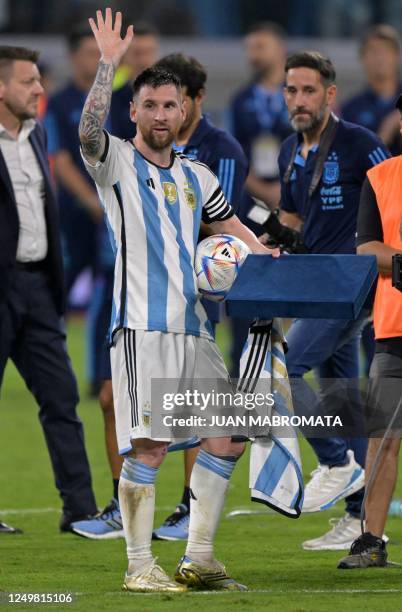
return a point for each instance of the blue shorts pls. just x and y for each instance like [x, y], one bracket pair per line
[105, 370]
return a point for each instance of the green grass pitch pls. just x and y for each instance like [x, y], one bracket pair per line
[261, 550]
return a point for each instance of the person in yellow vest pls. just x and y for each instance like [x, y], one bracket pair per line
[379, 233]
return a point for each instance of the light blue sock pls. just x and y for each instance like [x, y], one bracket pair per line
[208, 484]
[221, 466]
[138, 472]
[137, 507]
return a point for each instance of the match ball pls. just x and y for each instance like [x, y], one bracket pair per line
[217, 262]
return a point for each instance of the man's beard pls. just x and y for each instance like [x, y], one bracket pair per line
[22, 114]
[158, 144]
[310, 124]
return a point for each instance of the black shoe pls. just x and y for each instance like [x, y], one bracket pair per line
[67, 518]
[366, 551]
[7, 529]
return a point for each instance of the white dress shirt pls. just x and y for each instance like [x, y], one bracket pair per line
[29, 189]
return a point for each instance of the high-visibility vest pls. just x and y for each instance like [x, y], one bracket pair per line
[386, 181]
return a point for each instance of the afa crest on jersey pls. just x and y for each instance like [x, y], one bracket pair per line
[191, 198]
[146, 414]
[170, 191]
[331, 173]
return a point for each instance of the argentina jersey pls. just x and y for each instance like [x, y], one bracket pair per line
[154, 214]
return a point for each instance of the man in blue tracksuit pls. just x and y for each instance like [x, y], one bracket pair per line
[258, 119]
[198, 139]
[322, 168]
[258, 115]
[374, 106]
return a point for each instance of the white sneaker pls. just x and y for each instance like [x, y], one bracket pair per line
[341, 537]
[329, 485]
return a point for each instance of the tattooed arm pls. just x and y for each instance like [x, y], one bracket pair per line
[95, 112]
[97, 105]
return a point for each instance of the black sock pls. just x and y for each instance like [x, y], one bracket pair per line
[116, 488]
[372, 539]
[186, 498]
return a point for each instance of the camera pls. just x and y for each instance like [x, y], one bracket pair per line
[287, 239]
[397, 271]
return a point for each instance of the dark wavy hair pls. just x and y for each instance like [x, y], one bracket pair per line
[190, 71]
[314, 60]
[155, 77]
[9, 54]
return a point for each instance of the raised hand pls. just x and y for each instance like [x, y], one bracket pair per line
[111, 45]
[97, 105]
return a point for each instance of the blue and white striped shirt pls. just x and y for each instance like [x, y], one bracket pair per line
[154, 214]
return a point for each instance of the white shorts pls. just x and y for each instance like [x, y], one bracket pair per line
[139, 356]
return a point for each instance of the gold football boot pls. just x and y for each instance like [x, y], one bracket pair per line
[211, 577]
[152, 578]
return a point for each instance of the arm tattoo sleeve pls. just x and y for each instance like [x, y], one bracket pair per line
[95, 111]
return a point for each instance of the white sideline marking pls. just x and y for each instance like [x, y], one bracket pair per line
[247, 512]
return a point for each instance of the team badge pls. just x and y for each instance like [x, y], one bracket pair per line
[146, 414]
[170, 191]
[331, 169]
[191, 198]
[331, 173]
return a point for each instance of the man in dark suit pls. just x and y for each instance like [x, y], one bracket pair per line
[31, 281]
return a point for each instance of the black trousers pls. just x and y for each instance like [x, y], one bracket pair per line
[31, 335]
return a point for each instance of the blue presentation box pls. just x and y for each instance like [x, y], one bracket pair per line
[303, 286]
